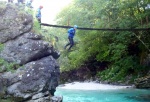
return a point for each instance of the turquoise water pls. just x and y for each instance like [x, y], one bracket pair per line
[120, 95]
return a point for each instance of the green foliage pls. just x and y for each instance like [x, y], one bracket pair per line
[108, 46]
[3, 100]
[36, 27]
[5, 66]
[121, 69]
[1, 47]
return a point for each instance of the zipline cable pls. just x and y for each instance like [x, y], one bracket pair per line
[103, 29]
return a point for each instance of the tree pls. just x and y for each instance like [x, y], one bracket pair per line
[114, 47]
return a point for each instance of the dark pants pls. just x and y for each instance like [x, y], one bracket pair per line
[39, 20]
[71, 43]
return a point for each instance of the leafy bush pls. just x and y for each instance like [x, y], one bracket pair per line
[116, 47]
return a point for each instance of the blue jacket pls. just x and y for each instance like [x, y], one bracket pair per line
[71, 32]
[38, 15]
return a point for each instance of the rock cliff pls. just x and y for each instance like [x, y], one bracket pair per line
[37, 77]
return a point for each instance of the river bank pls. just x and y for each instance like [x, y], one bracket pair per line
[92, 86]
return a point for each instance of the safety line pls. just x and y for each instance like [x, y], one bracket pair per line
[103, 29]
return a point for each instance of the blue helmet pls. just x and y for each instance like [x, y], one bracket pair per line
[75, 26]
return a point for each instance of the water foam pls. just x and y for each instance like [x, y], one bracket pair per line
[91, 86]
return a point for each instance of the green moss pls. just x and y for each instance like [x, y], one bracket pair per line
[1, 47]
[5, 66]
[6, 100]
[2, 6]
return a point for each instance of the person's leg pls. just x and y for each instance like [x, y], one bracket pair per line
[39, 20]
[67, 43]
[71, 43]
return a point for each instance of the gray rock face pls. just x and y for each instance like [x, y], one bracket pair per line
[143, 82]
[43, 73]
[37, 78]
[2, 85]
[13, 23]
[25, 48]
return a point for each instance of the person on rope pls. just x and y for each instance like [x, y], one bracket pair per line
[38, 15]
[71, 34]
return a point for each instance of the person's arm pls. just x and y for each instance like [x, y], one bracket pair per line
[71, 31]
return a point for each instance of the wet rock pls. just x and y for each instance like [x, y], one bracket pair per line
[143, 82]
[80, 74]
[56, 99]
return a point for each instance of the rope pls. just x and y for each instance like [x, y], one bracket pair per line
[106, 29]
[103, 29]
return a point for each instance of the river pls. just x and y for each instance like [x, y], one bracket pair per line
[93, 92]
